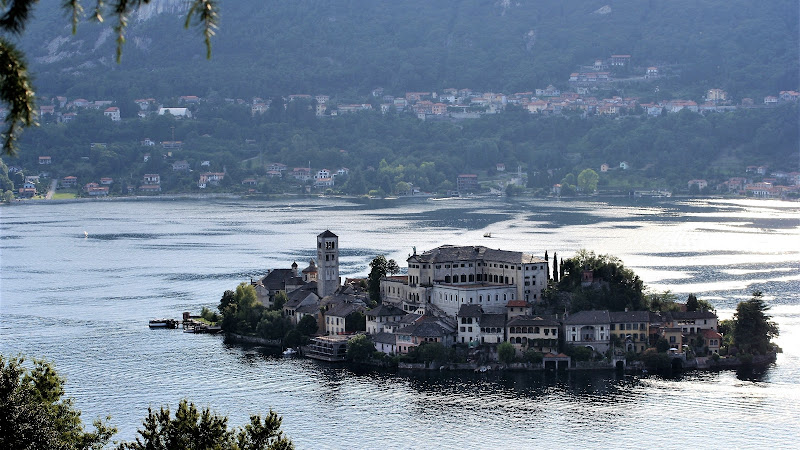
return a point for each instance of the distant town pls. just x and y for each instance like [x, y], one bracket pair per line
[449, 104]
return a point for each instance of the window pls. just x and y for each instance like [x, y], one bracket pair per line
[613, 326]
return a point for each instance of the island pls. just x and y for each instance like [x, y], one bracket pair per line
[479, 308]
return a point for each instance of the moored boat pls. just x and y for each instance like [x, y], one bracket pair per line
[164, 323]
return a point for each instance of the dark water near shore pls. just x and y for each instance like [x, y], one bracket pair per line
[84, 301]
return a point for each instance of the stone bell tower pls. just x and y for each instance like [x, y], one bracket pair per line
[327, 263]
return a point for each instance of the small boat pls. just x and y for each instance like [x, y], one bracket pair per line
[289, 352]
[164, 323]
[487, 234]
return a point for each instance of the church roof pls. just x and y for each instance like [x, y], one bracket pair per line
[447, 253]
[327, 234]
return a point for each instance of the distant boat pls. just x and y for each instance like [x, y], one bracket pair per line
[85, 234]
[164, 323]
[487, 235]
[289, 352]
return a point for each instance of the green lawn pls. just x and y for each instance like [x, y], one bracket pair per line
[63, 195]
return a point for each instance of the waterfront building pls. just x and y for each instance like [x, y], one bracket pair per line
[424, 330]
[302, 302]
[328, 263]
[588, 329]
[450, 276]
[469, 324]
[277, 280]
[630, 329]
[493, 328]
[337, 316]
[538, 333]
[382, 314]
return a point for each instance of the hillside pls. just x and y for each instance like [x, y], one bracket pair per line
[347, 48]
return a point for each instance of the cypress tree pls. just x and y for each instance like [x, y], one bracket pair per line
[555, 267]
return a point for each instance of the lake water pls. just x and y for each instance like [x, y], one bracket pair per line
[82, 300]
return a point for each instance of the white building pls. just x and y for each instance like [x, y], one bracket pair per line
[177, 112]
[450, 276]
[113, 113]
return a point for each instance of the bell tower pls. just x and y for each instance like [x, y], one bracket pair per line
[327, 263]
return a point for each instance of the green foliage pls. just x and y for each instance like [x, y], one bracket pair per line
[587, 181]
[579, 353]
[307, 326]
[662, 301]
[360, 348]
[293, 339]
[662, 345]
[692, 304]
[209, 315]
[379, 268]
[532, 356]
[193, 429]
[432, 351]
[655, 360]
[616, 287]
[279, 300]
[506, 352]
[272, 325]
[753, 330]
[16, 89]
[355, 321]
[34, 414]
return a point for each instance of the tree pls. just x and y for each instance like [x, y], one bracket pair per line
[360, 348]
[355, 321]
[307, 325]
[506, 352]
[279, 300]
[16, 89]
[555, 267]
[192, 429]
[380, 267]
[587, 180]
[662, 345]
[691, 303]
[753, 330]
[533, 356]
[654, 360]
[34, 415]
[432, 351]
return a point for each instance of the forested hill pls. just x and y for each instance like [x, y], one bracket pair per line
[271, 47]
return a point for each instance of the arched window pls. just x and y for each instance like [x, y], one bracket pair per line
[535, 329]
[463, 278]
[472, 278]
[447, 278]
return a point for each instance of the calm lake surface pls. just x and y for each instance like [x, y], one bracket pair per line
[83, 302]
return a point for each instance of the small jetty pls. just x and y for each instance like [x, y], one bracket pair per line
[193, 324]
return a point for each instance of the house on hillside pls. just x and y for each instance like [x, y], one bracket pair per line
[176, 112]
[112, 112]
